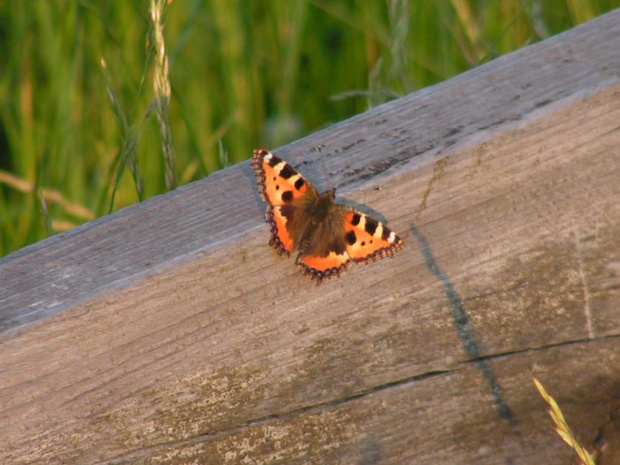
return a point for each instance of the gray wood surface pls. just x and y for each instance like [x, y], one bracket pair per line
[170, 332]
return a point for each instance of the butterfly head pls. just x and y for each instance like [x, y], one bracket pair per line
[331, 194]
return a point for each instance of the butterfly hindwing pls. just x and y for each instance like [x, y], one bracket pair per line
[325, 254]
[351, 237]
[280, 237]
[322, 268]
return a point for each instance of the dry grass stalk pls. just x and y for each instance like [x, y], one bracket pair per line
[562, 426]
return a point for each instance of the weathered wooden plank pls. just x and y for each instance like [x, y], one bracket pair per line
[170, 332]
[411, 423]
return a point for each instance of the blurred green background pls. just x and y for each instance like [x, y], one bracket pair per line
[79, 139]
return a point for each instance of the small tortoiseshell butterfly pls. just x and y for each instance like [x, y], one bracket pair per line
[328, 237]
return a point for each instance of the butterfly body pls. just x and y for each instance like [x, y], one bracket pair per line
[328, 236]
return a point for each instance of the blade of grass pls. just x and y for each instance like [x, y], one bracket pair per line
[130, 137]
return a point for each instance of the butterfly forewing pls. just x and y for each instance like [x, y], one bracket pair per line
[279, 182]
[368, 240]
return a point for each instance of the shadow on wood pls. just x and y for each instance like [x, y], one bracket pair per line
[171, 332]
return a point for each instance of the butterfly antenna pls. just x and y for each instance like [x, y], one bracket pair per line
[318, 149]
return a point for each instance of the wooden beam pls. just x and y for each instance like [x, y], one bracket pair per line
[170, 332]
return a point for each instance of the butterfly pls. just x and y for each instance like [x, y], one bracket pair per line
[328, 237]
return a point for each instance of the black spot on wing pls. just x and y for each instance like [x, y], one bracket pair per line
[356, 219]
[350, 237]
[299, 184]
[371, 225]
[386, 233]
[273, 161]
[287, 171]
[287, 196]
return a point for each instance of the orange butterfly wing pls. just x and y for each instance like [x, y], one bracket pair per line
[361, 239]
[326, 254]
[368, 240]
[283, 189]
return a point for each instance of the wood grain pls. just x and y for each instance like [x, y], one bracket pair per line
[170, 332]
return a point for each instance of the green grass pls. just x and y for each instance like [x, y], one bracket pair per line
[79, 140]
